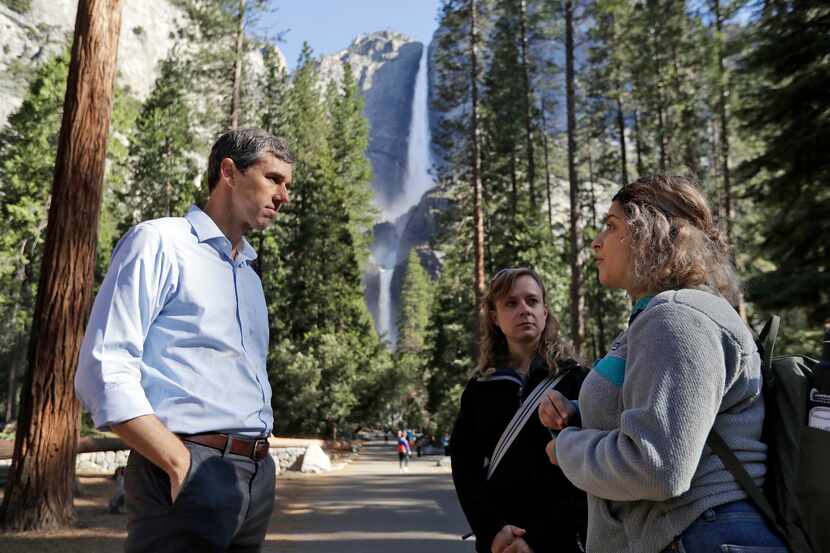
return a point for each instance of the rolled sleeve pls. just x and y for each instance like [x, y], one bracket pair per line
[140, 277]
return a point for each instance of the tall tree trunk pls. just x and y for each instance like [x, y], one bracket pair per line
[547, 168]
[724, 125]
[599, 304]
[478, 210]
[531, 165]
[638, 144]
[514, 185]
[236, 107]
[621, 131]
[576, 296]
[661, 133]
[39, 490]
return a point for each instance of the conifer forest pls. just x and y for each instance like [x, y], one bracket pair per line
[541, 110]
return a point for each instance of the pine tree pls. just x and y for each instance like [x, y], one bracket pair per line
[349, 138]
[416, 297]
[320, 262]
[163, 173]
[787, 112]
[27, 149]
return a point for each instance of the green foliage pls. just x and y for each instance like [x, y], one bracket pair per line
[787, 59]
[27, 157]
[214, 29]
[163, 174]
[349, 137]
[311, 268]
[416, 297]
[19, 6]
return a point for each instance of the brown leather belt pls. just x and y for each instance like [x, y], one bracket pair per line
[253, 448]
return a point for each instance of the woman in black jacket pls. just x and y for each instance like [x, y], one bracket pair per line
[527, 505]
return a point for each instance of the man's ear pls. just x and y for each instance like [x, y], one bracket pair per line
[227, 169]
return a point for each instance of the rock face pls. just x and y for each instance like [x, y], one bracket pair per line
[28, 39]
[385, 66]
[147, 31]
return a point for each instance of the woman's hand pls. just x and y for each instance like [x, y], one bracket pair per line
[550, 449]
[518, 546]
[506, 537]
[555, 410]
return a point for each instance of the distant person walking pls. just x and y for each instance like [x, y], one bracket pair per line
[404, 452]
[174, 360]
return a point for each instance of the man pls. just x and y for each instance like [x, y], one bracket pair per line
[174, 360]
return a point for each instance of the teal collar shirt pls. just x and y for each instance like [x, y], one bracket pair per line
[612, 366]
[179, 329]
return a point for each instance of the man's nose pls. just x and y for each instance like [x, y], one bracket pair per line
[596, 242]
[281, 195]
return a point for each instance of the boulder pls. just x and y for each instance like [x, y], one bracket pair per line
[315, 460]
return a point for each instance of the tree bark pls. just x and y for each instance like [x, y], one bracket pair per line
[547, 168]
[39, 490]
[724, 125]
[599, 304]
[531, 164]
[478, 210]
[236, 106]
[638, 144]
[576, 296]
[621, 131]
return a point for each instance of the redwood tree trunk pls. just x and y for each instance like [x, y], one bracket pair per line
[39, 491]
[478, 210]
[576, 296]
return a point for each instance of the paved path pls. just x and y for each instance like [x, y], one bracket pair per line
[369, 507]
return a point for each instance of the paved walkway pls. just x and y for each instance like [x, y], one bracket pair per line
[369, 507]
[366, 507]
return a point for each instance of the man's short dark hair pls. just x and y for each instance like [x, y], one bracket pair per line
[245, 147]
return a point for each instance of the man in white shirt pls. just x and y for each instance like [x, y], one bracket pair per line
[173, 359]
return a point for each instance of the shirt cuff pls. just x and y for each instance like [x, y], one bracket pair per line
[119, 403]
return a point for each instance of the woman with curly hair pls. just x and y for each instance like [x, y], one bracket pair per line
[685, 364]
[514, 499]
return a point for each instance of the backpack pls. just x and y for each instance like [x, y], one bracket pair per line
[796, 495]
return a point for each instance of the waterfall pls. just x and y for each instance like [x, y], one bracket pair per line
[417, 181]
[385, 324]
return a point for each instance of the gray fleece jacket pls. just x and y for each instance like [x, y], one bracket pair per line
[647, 408]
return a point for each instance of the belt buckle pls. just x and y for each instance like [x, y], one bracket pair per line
[260, 449]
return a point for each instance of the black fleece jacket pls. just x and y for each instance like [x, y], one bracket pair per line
[526, 490]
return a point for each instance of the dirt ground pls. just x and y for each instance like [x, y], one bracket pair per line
[367, 506]
[96, 532]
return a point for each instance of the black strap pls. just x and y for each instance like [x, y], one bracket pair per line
[733, 465]
[767, 339]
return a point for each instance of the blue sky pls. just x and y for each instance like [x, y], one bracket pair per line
[330, 25]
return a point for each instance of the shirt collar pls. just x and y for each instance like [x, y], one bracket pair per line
[206, 230]
[639, 307]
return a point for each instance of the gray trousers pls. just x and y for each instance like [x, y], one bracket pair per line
[225, 504]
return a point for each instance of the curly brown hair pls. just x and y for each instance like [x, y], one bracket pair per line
[675, 242]
[494, 349]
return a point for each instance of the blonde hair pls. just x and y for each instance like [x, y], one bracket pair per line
[494, 350]
[674, 240]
